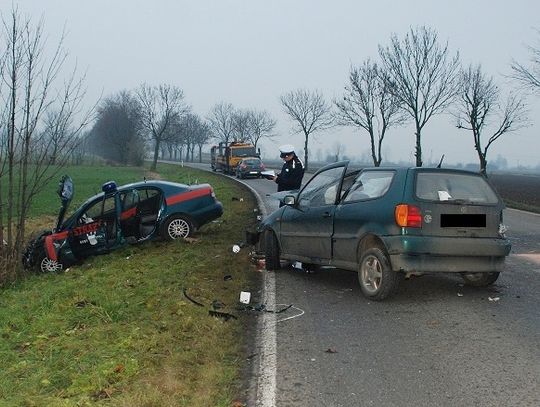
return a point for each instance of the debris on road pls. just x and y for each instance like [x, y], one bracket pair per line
[493, 299]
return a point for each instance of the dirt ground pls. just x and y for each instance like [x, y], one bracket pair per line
[518, 189]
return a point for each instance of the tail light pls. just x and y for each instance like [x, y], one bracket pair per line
[408, 216]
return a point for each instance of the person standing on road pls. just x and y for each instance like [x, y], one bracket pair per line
[292, 171]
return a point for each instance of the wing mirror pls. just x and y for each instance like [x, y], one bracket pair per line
[289, 200]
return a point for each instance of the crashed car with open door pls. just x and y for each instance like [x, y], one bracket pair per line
[131, 213]
[384, 223]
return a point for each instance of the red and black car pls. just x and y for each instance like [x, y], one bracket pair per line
[119, 215]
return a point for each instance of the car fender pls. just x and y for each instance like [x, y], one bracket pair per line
[368, 241]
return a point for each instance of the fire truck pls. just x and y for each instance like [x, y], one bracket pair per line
[225, 156]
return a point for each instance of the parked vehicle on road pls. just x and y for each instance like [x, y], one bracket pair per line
[250, 167]
[119, 215]
[385, 223]
[226, 156]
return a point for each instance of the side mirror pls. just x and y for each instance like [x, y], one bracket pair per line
[289, 200]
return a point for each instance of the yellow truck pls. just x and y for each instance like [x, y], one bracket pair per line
[225, 156]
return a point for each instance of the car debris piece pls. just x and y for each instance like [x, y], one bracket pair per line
[224, 315]
[245, 297]
[330, 350]
[191, 299]
[217, 304]
[228, 277]
[236, 249]
[459, 295]
[493, 299]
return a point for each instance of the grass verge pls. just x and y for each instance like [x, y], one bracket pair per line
[118, 330]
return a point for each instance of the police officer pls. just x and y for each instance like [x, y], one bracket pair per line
[292, 171]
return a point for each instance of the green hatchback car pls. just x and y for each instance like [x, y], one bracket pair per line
[385, 223]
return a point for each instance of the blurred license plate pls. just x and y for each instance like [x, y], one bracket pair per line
[253, 172]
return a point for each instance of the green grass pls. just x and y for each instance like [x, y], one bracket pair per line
[118, 330]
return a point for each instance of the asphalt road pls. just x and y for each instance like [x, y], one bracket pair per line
[436, 343]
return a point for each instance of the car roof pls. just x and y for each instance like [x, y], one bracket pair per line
[401, 168]
[148, 183]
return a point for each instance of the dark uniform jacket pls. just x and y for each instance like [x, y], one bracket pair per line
[291, 175]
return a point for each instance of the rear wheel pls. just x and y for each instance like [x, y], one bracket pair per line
[177, 227]
[271, 251]
[377, 280]
[480, 279]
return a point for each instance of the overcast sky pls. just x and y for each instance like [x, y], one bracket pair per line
[250, 52]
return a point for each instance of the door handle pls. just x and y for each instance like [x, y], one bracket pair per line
[327, 215]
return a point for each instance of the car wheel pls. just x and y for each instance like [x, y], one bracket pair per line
[377, 280]
[271, 251]
[480, 279]
[177, 227]
[47, 265]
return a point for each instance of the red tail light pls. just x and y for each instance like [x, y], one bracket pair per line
[408, 216]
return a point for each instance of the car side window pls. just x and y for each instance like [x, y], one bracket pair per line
[97, 211]
[369, 185]
[322, 189]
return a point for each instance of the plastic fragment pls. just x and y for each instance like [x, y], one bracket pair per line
[245, 297]
[236, 248]
[493, 299]
[459, 295]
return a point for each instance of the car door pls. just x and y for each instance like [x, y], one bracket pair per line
[96, 228]
[367, 208]
[307, 227]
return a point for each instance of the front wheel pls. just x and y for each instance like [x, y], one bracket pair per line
[47, 265]
[480, 279]
[271, 251]
[177, 227]
[376, 277]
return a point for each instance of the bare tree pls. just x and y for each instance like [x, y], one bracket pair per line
[221, 121]
[42, 121]
[422, 76]
[309, 112]
[116, 134]
[478, 103]
[369, 105]
[241, 124]
[261, 125]
[160, 105]
[529, 76]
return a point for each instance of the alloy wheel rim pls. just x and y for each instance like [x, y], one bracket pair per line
[371, 274]
[50, 266]
[178, 228]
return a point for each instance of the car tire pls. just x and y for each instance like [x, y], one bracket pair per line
[377, 279]
[177, 227]
[480, 279]
[271, 251]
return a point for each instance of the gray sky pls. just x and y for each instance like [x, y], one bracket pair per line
[249, 52]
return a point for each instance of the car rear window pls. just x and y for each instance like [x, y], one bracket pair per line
[437, 186]
[252, 162]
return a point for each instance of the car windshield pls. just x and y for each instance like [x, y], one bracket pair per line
[439, 186]
[322, 188]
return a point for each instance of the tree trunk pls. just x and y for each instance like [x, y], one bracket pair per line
[418, 148]
[306, 153]
[156, 154]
